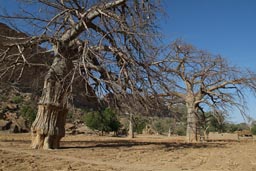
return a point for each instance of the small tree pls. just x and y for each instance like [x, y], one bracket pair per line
[139, 124]
[104, 121]
[163, 125]
[217, 123]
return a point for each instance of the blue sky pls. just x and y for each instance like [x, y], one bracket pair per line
[226, 27]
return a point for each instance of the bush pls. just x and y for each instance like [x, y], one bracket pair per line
[104, 121]
[28, 113]
[162, 125]
[231, 128]
[159, 127]
[181, 130]
[70, 116]
[139, 124]
[17, 99]
[3, 98]
[253, 130]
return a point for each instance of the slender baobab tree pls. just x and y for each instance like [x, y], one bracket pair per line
[109, 44]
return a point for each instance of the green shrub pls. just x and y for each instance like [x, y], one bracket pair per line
[70, 116]
[139, 124]
[17, 99]
[3, 98]
[253, 129]
[158, 126]
[104, 121]
[162, 125]
[181, 130]
[28, 113]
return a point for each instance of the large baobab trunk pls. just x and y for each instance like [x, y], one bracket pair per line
[191, 123]
[48, 127]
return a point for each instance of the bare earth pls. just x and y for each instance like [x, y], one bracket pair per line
[154, 153]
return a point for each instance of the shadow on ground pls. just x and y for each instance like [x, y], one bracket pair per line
[129, 143]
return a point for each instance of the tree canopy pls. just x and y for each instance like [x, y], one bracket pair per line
[202, 81]
[110, 43]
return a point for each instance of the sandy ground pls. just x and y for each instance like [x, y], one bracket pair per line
[154, 153]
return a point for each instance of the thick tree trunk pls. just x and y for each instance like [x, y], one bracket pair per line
[191, 134]
[131, 131]
[49, 125]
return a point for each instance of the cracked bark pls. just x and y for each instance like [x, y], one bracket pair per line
[49, 125]
[191, 123]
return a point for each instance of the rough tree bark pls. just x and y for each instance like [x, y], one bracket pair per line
[191, 123]
[48, 127]
[131, 131]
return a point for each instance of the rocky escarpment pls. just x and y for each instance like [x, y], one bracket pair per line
[14, 114]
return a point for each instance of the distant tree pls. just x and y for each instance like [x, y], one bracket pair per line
[243, 126]
[201, 80]
[162, 125]
[217, 123]
[139, 123]
[231, 127]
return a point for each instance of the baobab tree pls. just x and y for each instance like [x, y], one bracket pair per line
[203, 82]
[106, 43]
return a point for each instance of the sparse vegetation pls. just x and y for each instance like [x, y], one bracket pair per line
[17, 99]
[253, 129]
[3, 98]
[28, 113]
[139, 124]
[162, 125]
[70, 116]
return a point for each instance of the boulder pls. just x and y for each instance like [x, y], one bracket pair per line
[78, 122]
[10, 116]
[12, 106]
[14, 128]
[81, 130]
[14, 125]
[70, 126]
[5, 125]
[22, 124]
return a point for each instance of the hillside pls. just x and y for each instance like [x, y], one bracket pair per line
[27, 87]
[31, 81]
[32, 77]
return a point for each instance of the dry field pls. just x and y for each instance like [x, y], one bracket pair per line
[154, 153]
